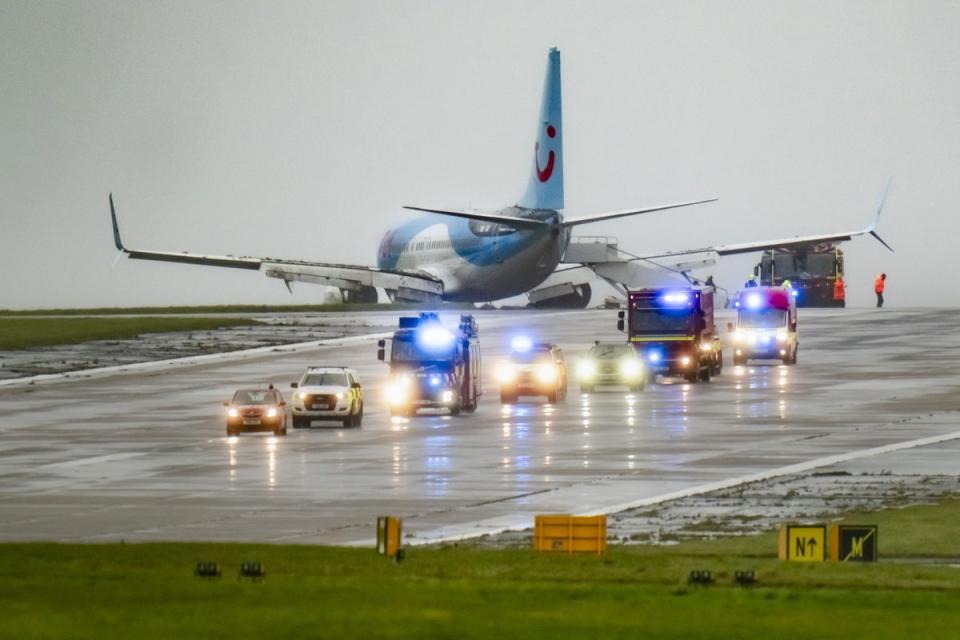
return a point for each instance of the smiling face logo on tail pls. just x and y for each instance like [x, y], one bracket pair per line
[545, 173]
[545, 186]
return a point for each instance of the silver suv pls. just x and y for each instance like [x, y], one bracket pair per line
[327, 393]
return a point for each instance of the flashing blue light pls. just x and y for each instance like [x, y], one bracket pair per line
[654, 356]
[795, 293]
[754, 301]
[434, 336]
[434, 381]
[676, 298]
[521, 344]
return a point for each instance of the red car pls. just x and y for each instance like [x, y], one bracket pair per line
[257, 410]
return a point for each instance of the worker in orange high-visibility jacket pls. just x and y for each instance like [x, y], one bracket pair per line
[878, 286]
[840, 291]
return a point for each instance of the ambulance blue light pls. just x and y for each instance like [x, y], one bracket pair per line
[754, 301]
[654, 356]
[521, 344]
[434, 381]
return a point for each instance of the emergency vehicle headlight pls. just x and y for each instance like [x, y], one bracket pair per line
[339, 396]
[781, 336]
[232, 413]
[303, 395]
[546, 373]
[586, 369]
[752, 338]
[630, 369]
[397, 392]
[685, 361]
[506, 372]
[447, 396]
[521, 344]
[754, 301]
[706, 346]
[272, 412]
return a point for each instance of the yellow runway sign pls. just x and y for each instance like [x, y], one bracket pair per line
[805, 543]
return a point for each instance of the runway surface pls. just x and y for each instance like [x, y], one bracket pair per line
[143, 456]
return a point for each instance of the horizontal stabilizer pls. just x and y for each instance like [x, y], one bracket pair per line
[495, 218]
[597, 217]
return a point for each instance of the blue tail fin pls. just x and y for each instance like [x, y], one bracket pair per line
[545, 190]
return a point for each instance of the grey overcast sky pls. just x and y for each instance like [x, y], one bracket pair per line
[298, 129]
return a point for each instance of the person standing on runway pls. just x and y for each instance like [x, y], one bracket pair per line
[878, 286]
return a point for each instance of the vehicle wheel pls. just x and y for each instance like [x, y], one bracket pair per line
[358, 419]
[507, 398]
[705, 375]
[691, 377]
[718, 367]
[297, 422]
[586, 388]
[455, 411]
[231, 433]
[739, 360]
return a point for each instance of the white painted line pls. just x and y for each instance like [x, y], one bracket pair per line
[501, 524]
[189, 361]
[230, 356]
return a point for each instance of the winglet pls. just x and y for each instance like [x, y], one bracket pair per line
[872, 229]
[116, 227]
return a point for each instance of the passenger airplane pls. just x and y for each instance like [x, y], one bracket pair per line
[471, 256]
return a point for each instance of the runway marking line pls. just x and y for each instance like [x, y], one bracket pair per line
[501, 525]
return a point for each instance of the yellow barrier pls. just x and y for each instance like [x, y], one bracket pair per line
[388, 536]
[570, 534]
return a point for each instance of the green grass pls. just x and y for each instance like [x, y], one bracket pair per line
[148, 591]
[26, 333]
[235, 308]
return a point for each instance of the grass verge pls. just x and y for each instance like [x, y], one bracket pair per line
[27, 333]
[235, 308]
[148, 591]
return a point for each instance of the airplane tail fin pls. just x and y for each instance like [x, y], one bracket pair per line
[545, 189]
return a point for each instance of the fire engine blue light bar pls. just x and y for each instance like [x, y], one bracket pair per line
[675, 298]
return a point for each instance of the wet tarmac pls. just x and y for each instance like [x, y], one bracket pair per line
[143, 456]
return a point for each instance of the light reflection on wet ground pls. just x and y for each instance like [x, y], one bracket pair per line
[144, 457]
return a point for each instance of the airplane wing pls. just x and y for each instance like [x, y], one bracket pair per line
[412, 286]
[596, 217]
[513, 221]
[783, 243]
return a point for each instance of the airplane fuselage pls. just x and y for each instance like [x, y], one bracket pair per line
[477, 261]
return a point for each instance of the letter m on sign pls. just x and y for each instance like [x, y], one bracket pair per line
[856, 547]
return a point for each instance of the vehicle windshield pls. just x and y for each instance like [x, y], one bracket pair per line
[659, 321]
[529, 357]
[256, 396]
[409, 351]
[762, 318]
[813, 265]
[326, 379]
[610, 351]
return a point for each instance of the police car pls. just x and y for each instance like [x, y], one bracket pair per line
[327, 393]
